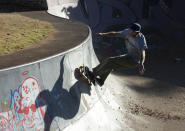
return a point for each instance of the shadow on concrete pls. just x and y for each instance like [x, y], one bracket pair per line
[100, 14]
[162, 67]
[59, 101]
[150, 87]
[79, 13]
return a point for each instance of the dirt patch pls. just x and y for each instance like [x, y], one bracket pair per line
[141, 110]
[18, 32]
[66, 36]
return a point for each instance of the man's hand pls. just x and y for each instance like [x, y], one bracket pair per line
[141, 65]
[141, 69]
[99, 34]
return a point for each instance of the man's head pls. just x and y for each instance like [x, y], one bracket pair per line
[135, 29]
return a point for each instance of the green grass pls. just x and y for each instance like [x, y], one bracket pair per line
[18, 32]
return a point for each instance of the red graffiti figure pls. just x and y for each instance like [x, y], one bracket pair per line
[23, 114]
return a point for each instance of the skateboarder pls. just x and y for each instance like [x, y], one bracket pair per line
[135, 57]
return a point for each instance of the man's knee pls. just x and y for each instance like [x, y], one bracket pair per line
[110, 61]
[107, 60]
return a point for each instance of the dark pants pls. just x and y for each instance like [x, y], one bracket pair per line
[112, 63]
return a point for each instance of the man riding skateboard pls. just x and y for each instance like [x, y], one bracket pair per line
[135, 57]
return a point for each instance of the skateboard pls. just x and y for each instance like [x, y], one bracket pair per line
[86, 75]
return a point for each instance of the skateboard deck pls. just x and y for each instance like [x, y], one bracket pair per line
[88, 76]
[84, 75]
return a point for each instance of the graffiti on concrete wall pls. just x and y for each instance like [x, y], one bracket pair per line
[23, 114]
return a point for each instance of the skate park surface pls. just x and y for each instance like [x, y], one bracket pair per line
[45, 94]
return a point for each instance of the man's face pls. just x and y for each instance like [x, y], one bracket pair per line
[133, 33]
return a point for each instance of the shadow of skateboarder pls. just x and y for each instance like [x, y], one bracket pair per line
[59, 102]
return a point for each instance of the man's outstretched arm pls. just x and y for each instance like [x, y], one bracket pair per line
[110, 34]
[143, 55]
[142, 61]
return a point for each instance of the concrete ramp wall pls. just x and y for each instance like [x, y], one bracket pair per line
[102, 15]
[97, 14]
[46, 95]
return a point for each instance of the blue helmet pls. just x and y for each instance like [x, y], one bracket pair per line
[136, 27]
